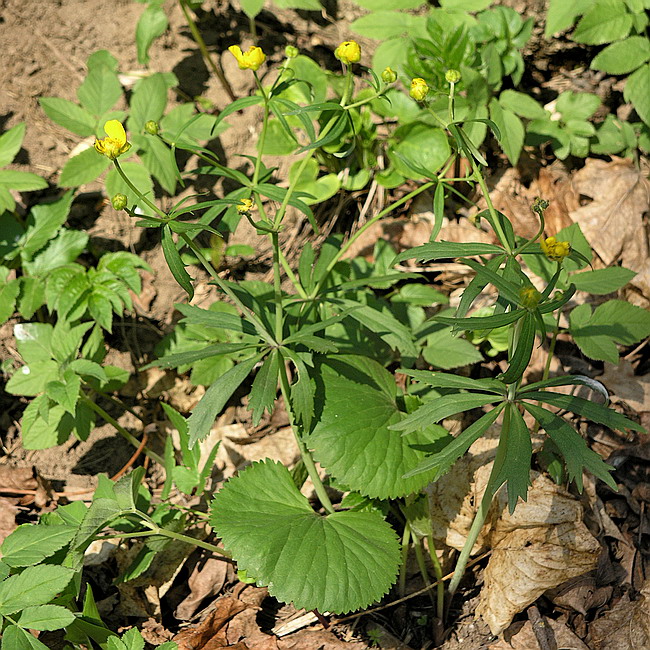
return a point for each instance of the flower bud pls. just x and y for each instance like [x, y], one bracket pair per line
[419, 89]
[244, 206]
[119, 201]
[389, 76]
[529, 297]
[291, 52]
[348, 52]
[555, 250]
[452, 76]
[151, 127]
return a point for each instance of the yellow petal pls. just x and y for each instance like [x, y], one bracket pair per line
[235, 50]
[115, 130]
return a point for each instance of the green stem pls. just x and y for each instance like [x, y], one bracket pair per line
[157, 530]
[437, 569]
[277, 287]
[451, 102]
[419, 556]
[253, 28]
[121, 430]
[138, 193]
[292, 276]
[226, 289]
[196, 35]
[406, 540]
[115, 401]
[319, 488]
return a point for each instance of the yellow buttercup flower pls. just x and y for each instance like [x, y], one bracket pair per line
[116, 143]
[419, 89]
[245, 205]
[348, 52]
[555, 250]
[250, 60]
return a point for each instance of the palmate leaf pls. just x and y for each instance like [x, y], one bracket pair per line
[352, 438]
[573, 447]
[337, 563]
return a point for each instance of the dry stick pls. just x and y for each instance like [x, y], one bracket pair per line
[133, 458]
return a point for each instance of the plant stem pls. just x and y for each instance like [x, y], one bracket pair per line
[157, 530]
[437, 569]
[419, 556]
[226, 289]
[121, 430]
[138, 193]
[196, 35]
[406, 540]
[319, 488]
[277, 287]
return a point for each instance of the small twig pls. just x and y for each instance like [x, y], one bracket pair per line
[133, 458]
[543, 633]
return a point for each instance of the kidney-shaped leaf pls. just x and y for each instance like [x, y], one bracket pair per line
[352, 439]
[337, 563]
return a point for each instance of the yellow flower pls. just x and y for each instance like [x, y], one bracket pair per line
[245, 205]
[250, 60]
[348, 52]
[555, 250]
[115, 144]
[419, 89]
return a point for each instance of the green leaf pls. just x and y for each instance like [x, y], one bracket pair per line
[590, 410]
[148, 101]
[126, 489]
[604, 22]
[100, 90]
[363, 453]
[43, 223]
[64, 248]
[265, 386]
[522, 105]
[477, 323]
[15, 638]
[622, 57]
[419, 294]
[445, 350]
[440, 408]
[637, 91]
[173, 259]
[10, 143]
[384, 5]
[32, 296]
[447, 380]
[34, 586]
[69, 115]
[46, 617]
[577, 107]
[446, 249]
[382, 25]
[31, 379]
[30, 543]
[615, 321]
[562, 15]
[350, 558]
[158, 159]
[152, 24]
[216, 397]
[21, 181]
[577, 455]
[515, 470]
[521, 356]
[443, 461]
[39, 433]
[511, 128]
[251, 7]
[8, 295]
[421, 150]
[603, 281]
[220, 320]
[34, 341]
[83, 168]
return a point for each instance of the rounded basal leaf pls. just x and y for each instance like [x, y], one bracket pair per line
[352, 440]
[337, 563]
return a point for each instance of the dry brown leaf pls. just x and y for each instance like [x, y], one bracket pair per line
[542, 544]
[539, 546]
[8, 511]
[524, 638]
[321, 639]
[625, 385]
[625, 627]
[207, 579]
[612, 221]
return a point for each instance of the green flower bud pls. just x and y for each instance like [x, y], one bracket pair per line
[151, 127]
[529, 297]
[389, 76]
[291, 52]
[452, 76]
[119, 201]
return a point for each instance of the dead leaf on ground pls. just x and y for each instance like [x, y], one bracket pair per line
[539, 546]
[524, 637]
[8, 511]
[626, 386]
[321, 639]
[207, 579]
[18, 480]
[626, 626]
[612, 221]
